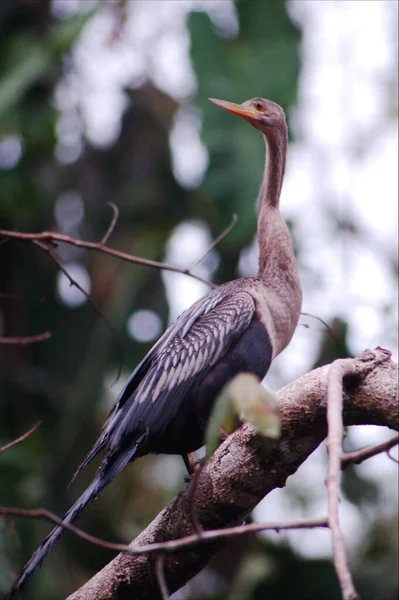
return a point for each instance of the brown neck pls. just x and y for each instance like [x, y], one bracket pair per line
[276, 151]
[275, 248]
[278, 271]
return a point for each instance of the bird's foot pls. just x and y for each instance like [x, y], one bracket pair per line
[193, 465]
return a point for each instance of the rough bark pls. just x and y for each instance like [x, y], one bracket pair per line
[240, 474]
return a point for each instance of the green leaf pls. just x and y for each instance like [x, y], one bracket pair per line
[255, 405]
[223, 417]
[246, 398]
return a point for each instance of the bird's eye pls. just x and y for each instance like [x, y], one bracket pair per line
[260, 107]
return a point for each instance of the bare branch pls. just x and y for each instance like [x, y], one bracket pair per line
[159, 570]
[217, 241]
[50, 236]
[21, 438]
[326, 325]
[43, 513]
[31, 339]
[395, 460]
[170, 545]
[338, 370]
[73, 282]
[358, 456]
[112, 224]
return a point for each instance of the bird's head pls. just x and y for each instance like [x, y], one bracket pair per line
[261, 114]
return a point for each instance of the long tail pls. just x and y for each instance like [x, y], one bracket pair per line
[108, 470]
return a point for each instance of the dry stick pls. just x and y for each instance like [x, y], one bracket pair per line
[338, 370]
[160, 573]
[326, 325]
[170, 545]
[74, 283]
[395, 460]
[40, 337]
[50, 236]
[112, 224]
[217, 241]
[358, 456]
[21, 438]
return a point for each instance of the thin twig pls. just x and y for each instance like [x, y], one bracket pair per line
[217, 241]
[358, 456]
[170, 545]
[160, 573]
[21, 438]
[50, 236]
[112, 224]
[32, 339]
[326, 325]
[395, 460]
[338, 370]
[74, 283]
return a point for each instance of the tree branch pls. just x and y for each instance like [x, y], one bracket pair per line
[50, 237]
[168, 545]
[217, 241]
[21, 438]
[111, 226]
[23, 340]
[338, 370]
[356, 457]
[239, 475]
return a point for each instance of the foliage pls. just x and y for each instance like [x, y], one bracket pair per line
[246, 400]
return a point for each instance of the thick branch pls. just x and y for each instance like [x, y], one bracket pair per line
[239, 475]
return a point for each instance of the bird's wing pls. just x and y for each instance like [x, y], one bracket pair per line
[181, 357]
[190, 348]
[180, 364]
[181, 326]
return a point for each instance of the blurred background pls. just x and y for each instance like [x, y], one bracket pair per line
[107, 101]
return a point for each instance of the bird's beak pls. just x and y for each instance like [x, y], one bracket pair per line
[237, 109]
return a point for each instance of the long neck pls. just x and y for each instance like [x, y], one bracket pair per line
[273, 237]
[276, 152]
[277, 266]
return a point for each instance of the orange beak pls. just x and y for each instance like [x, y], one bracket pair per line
[237, 109]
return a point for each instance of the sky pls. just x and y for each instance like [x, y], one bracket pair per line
[341, 168]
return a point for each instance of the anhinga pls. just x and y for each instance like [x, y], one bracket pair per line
[238, 327]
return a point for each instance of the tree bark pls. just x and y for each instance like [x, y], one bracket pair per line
[240, 473]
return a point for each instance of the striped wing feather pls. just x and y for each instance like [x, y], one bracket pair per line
[180, 364]
[177, 362]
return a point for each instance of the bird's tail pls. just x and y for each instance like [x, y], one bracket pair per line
[108, 470]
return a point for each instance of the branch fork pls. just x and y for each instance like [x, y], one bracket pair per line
[239, 475]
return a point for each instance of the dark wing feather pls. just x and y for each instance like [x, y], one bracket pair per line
[180, 364]
[182, 325]
[187, 349]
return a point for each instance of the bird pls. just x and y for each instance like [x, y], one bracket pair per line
[240, 326]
